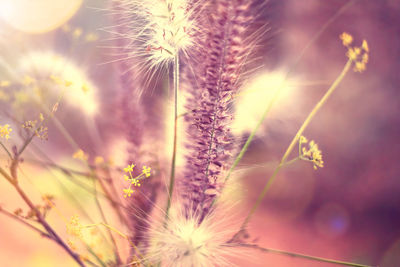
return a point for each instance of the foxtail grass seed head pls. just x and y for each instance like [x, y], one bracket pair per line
[159, 29]
[185, 242]
[216, 77]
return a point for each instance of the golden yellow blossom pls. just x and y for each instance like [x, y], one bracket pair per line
[134, 181]
[127, 192]
[365, 46]
[80, 154]
[346, 38]
[5, 131]
[303, 140]
[359, 55]
[129, 168]
[146, 171]
[312, 153]
[74, 227]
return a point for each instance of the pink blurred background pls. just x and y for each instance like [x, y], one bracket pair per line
[349, 210]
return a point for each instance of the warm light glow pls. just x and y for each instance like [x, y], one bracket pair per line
[254, 98]
[37, 16]
[62, 74]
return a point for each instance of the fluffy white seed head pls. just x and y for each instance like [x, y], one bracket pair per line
[186, 243]
[162, 28]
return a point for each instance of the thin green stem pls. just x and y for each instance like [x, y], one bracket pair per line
[103, 216]
[24, 222]
[298, 255]
[5, 149]
[280, 87]
[291, 161]
[294, 142]
[173, 162]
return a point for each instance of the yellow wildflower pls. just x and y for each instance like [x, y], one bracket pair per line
[79, 154]
[346, 38]
[134, 181]
[359, 67]
[146, 171]
[351, 54]
[128, 192]
[129, 168]
[365, 46]
[303, 140]
[74, 227]
[5, 131]
[359, 55]
[312, 154]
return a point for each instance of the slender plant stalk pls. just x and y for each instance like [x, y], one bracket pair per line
[103, 216]
[303, 256]
[24, 222]
[54, 236]
[5, 149]
[294, 142]
[173, 162]
[278, 90]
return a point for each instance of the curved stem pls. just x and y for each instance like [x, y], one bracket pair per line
[294, 142]
[24, 222]
[173, 162]
[51, 232]
[298, 255]
[278, 89]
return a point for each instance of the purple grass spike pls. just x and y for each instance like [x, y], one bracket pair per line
[212, 87]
